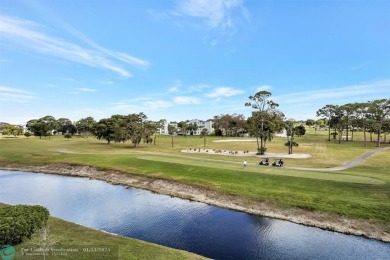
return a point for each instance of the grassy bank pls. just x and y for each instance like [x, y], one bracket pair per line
[63, 234]
[361, 193]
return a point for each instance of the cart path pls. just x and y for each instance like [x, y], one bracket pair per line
[361, 159]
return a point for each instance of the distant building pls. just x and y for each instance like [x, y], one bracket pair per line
[163, 129]
[208, 125]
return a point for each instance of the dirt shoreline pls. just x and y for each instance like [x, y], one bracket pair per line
[327, 221]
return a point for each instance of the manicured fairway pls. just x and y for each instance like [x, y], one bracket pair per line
[362, 192]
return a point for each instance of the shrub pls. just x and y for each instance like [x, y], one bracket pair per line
[261, 150]
[20, 222]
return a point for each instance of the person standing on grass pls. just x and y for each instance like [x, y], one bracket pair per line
[245, 163]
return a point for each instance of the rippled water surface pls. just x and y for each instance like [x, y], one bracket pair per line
[206, 230]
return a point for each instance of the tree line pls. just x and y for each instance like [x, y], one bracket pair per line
[266, 119]
[262, 124]
[117, 128]
[370, 117]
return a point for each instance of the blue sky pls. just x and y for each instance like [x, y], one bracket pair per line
[189, 59]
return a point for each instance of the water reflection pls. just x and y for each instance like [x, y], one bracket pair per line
[196, 227]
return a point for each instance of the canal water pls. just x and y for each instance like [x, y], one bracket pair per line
[196, 227]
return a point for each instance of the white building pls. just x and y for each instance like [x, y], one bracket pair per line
[208, 125]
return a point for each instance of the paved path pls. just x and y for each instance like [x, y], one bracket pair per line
[349, 164]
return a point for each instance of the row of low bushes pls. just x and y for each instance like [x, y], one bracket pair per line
[20, 222]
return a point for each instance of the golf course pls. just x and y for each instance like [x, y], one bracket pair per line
[341, 187]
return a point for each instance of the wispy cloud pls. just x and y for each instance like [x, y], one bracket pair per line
[358, 67]
[141, 105]
[173, 89]
[106, 82]
[86, 89]
[177, 85]
[263, 88]
[216, 13]
[30, 35]
[377, 88]
[224, 92]
[184, 100]
[197, 88]
[216, 16]
[14, 94]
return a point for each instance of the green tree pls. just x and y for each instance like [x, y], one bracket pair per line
[183, 127]
[361, 112]
[265, 119]
[105, 129]
[192, 127]
[327, 111]
[291, 131]
[66, 126]
[39, 127]
[52, 123]
[237, 124]
[217, 125]
[204, 132]
[84, 126]
[3, 125]
[13, 130]
[348, 110]
[310, 122]
[171, 131]
[338, 122]
[380, 111]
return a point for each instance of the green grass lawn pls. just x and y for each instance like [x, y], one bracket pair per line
[63, 234]
[362, 192]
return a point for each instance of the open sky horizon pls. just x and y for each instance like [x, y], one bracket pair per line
[189, 59]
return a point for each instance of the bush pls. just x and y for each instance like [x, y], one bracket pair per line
[20, 222]
[261, 150]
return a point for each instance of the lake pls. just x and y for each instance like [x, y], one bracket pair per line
[192, 226]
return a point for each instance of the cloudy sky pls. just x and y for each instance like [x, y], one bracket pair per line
[187, 59]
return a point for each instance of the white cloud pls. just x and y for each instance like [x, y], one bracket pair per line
[216, 13]
[141, 105]
[197, 88]
[180, 87]
[86, 89]
[184, 100]
[177, 85]
[173, 89]
[14, 94]
[106, 82]
[263, 88]
[224, 92]
[216, 19]
[28, 35]
[358, 67]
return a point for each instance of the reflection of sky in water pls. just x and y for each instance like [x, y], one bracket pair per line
[192, 226]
